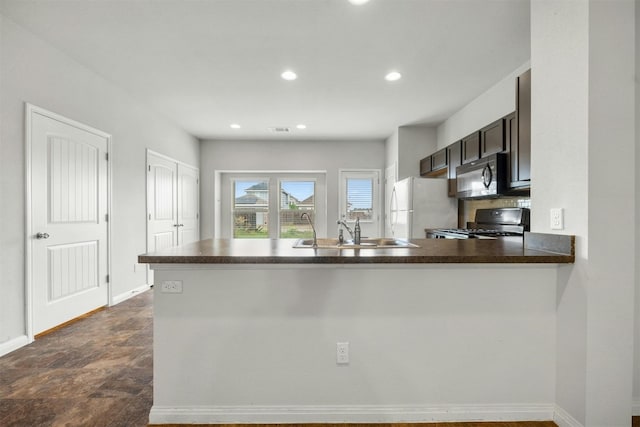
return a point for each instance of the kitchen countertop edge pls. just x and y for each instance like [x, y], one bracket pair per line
[431, 251]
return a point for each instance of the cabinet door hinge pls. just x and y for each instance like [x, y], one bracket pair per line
[149, 168]
[106, 217]
[106, 156]
[107, 278]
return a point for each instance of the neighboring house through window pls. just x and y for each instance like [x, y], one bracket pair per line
[271, 205]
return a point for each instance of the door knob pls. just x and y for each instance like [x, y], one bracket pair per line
[42, 236]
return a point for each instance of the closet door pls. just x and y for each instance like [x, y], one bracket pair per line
[173, 203]
[162, 203]
[188, 204]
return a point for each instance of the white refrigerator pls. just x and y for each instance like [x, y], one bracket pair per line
[419, 203]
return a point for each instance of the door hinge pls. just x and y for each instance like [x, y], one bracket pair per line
[106, 217]
[107, 278]
[106, 156]
[149, 217]
[149, 168]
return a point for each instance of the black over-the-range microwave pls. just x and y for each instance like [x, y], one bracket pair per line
[483, 178]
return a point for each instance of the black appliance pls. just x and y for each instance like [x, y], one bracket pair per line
[489, 224]
[483, 178]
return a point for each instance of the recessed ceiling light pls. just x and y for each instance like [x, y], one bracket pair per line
[289, 75]
[358, 2]
[235, 126]
[393, 76]
[301, 126]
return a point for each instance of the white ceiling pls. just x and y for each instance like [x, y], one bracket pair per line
[207, 64]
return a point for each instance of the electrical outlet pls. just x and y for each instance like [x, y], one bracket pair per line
[557, 218]
[171, 287]
[342, 353]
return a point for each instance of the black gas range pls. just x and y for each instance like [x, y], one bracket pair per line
[489, 224]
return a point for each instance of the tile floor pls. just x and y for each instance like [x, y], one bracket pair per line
[94, 372]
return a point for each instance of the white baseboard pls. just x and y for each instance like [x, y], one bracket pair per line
[636, 407]
[132, 293]
[564, 419]
[13, 344]
[347, 414]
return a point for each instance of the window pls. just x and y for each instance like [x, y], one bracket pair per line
[359, 199]
[296, 197]
[271, 206]
[359, 191]
[251, 209]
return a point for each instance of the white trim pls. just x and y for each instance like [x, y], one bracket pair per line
[348, 414]
[635, 409]
[564, 419]
[31, 109]
[13, 344]
[130, 293]
[28, 295]
[171, 159]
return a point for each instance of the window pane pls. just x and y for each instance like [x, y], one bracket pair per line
[251, 209]
[296, 197]
[359, 198]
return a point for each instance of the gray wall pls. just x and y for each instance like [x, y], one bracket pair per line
[496, 102]
[284, 156]
[406, 146]
[636, 363]
[582, 115]
[35, 72]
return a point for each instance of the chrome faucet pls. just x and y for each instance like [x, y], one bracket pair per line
[344, 224]
[315, 237]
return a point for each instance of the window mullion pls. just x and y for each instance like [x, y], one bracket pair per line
[274, 207]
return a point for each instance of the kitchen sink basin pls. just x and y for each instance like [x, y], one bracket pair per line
[333, 243]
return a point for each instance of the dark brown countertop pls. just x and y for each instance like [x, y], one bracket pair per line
[505, 250]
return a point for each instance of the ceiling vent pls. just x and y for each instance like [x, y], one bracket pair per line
[280, 129]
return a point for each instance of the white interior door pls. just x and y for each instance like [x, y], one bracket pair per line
[162, 203]
[68, 210]
[359, 198]
[188, 204]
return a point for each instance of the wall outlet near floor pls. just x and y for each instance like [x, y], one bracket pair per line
[342, 353]
[557, 218]
[171, 287]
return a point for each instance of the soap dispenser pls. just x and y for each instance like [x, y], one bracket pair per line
[356, 232]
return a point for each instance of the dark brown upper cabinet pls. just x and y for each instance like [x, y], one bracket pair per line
[425, 166]
[434, 165]
[492, 138]
[471, 147]
[439, 160]
[521, 145]
[454, 156]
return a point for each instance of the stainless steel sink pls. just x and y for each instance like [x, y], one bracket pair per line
[333, 243]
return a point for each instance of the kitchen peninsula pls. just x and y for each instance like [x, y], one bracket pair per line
[246, 331]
